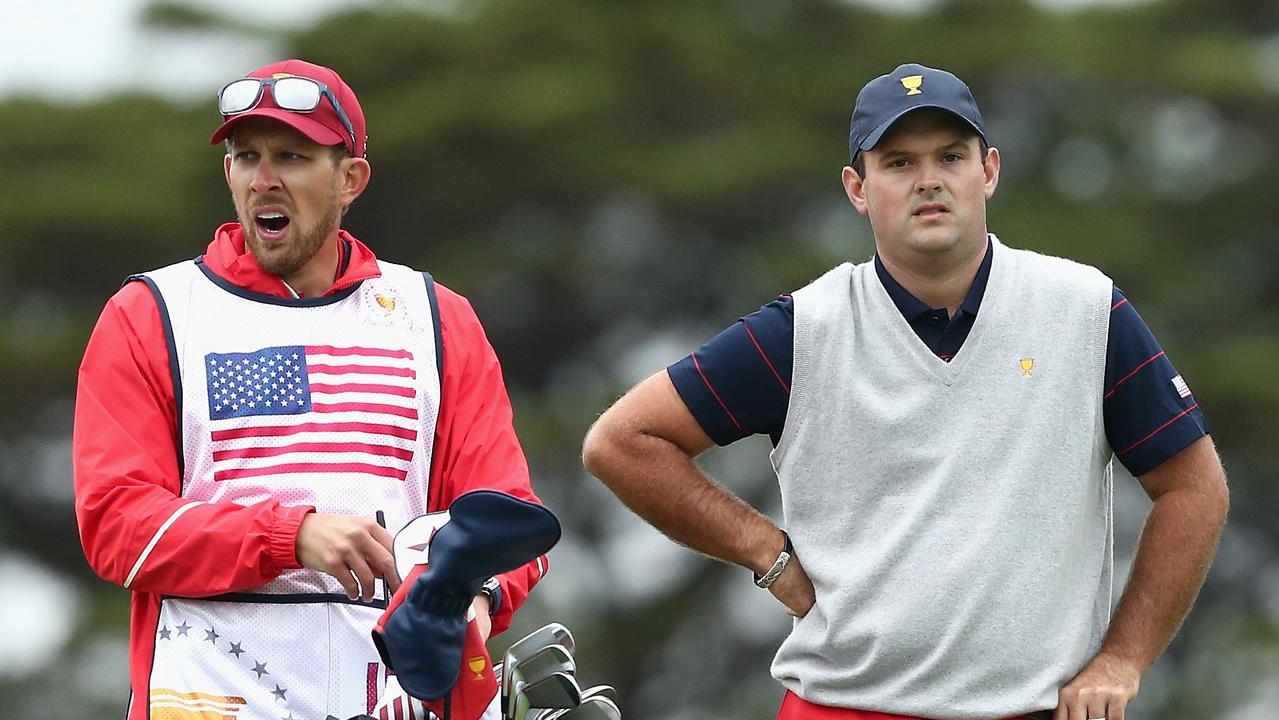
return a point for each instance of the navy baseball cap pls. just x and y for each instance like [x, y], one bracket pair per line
[887, 98]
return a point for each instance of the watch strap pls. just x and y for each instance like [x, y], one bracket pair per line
[492, 589]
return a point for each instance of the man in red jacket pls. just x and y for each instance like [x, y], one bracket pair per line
[252, 427]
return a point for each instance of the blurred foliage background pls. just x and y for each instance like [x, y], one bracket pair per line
[611, 184]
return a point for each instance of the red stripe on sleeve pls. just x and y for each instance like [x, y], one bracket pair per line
[767, 362]
[1117, 305]
[1121, 380]
[715, 394]
[1159, 429]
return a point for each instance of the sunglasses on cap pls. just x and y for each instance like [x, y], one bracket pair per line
[295, 94]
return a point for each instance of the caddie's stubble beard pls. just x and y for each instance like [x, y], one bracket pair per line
[300, 245]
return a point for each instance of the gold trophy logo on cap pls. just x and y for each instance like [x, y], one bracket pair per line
[912, 83]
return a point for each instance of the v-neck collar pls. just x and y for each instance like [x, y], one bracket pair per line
[912, 307]
[949, 371]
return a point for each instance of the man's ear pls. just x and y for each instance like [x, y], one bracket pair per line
[355, 174]
[991, 168]
[855, 187]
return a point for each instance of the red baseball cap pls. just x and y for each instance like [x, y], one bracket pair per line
[321, 125]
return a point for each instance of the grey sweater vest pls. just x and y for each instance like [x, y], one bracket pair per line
[955, 517]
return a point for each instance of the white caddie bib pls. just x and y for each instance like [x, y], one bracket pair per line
[330, 402]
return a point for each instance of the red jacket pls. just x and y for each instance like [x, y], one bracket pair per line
[127, 481]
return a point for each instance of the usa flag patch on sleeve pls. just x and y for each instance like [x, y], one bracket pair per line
[1182, 388]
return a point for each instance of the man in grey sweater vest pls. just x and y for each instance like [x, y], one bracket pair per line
[944, 419]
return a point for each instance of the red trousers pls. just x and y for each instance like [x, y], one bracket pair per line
[796, 708]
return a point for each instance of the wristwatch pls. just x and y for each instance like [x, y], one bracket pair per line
[788, 551]
[492, 589]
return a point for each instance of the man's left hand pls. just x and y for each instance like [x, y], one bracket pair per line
[1102, 689]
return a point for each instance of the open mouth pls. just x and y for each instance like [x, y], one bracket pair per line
[271, 224]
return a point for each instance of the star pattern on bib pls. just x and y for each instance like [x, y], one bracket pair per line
[233, 648]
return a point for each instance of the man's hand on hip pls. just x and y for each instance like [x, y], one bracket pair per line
[354, 550]
[794, 589]
[1102, 689]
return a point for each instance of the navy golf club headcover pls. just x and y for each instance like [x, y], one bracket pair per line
[420, 637]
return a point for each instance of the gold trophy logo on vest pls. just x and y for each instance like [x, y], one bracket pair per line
[314, 412]
[381, 305]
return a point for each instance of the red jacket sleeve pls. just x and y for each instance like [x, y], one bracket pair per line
[136, 529]
[475, 443]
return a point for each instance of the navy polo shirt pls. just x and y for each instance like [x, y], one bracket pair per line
[738, 384]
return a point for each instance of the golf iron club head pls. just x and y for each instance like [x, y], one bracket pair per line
[557, 690]
[596, 707]
[545, 661]
[541, 663]
[549, 634]
[607, 691]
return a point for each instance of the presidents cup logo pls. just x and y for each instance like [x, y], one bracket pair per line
[912, 83]
[1027, 366]
[385, 307]
[387, 302]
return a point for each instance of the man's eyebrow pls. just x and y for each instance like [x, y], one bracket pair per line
[893, 153]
